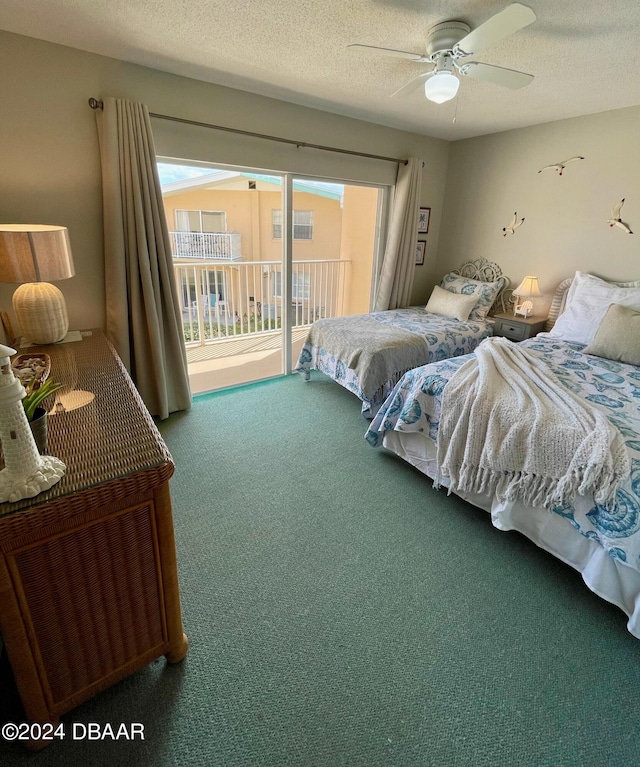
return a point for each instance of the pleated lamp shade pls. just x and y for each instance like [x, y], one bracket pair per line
[34, 254]
[528, 288]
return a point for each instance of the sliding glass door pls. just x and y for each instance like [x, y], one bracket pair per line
[258, 256]
[335, 239]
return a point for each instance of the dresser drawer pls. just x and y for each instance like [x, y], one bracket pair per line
[516, 331]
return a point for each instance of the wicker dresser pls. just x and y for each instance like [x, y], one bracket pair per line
[88, 576]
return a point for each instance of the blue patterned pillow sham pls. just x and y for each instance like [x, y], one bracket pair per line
[485, 292]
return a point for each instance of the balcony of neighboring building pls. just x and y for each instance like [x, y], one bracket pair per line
[216, 246]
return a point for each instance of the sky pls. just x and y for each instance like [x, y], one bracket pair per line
[169, 172]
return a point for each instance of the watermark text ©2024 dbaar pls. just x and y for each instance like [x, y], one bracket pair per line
[75, 731]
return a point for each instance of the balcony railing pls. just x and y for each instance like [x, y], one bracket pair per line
[220, 300]
[223, 246]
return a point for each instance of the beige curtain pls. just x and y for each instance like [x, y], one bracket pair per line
[399, 262]
[143, 311]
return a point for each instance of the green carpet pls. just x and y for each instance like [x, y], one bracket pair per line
[341, 612]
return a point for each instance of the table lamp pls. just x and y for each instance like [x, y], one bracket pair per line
[527, 289]
[33, 254]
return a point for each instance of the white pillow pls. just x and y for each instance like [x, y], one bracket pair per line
[484, 292]
[450, 304]
[588, 299]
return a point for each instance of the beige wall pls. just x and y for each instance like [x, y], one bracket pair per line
[358, 243]
[327, 226]
[565, 216]
[51, 165]
[51, 169]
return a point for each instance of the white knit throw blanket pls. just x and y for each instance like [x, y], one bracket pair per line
[509, 427]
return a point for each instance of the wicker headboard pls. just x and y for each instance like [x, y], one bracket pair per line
[487, 271]
[558, 303]
[560, 298]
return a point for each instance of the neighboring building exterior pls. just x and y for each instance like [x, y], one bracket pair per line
[232, 218]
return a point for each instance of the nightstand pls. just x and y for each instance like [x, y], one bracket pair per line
[517, 328]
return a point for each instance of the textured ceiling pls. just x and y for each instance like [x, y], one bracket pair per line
[584, 53]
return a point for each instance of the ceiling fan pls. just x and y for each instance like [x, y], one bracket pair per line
[451, 41]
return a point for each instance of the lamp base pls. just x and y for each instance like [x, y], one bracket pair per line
[41, 312]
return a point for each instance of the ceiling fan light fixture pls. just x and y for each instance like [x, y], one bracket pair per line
[441, 87]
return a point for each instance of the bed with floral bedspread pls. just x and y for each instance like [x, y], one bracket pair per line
[602, 543]
[368, 353]
[444, 337]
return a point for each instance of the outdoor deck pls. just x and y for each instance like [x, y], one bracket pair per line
[230, 313]
[237, 360]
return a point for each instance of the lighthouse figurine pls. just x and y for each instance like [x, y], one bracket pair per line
[26, 473]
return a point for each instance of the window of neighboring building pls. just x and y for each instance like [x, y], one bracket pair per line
[212, 284]
[217, 287]
[302, 224]
[300, 286]
[201, 220]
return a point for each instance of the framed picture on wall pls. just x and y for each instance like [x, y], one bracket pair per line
[420, 248]
[423, 220]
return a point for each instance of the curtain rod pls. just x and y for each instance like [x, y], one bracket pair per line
[95, 104]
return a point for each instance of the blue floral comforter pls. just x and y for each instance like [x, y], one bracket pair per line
[445, 338]
[415, 402]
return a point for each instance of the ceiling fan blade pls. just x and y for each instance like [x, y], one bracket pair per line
[390, 52]
[508, 78]
[412, 85]
[514, 17]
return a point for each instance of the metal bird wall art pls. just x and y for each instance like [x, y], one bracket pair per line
[560, 166]
[512, 225]
[615, 219]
